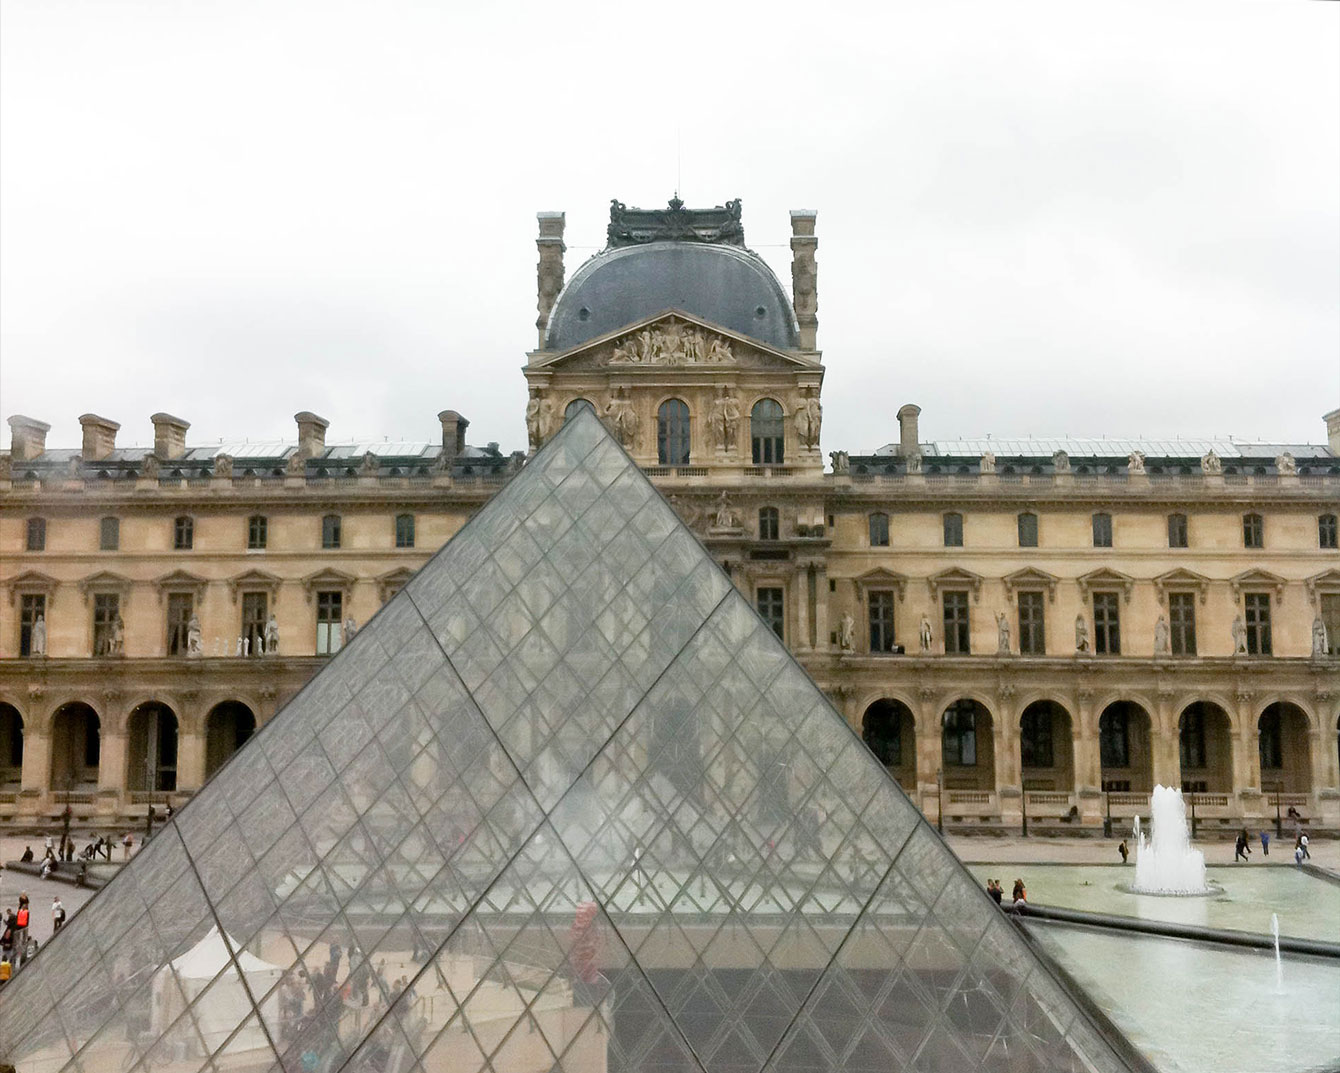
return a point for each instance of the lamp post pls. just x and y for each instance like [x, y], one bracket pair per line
[1193, 814]
[1023, 809]
[1279, 823]
[1107, 819]
[939, 802]
[65, 818]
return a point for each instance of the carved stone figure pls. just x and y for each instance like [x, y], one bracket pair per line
[246, 646]
[37, 642]
[1239, 637]
[272, 636]
[1286, 465]
[296, 465]
[846, 632]
[368, 466]
[725, 516]
[841, 462]
[350, 628]
[1081, 634]
[149, 467]
[913, 465]
[925, 635]
[193, 646]
[809, 417]
[539, 419]
[718, 350]
[1061, 462]
[724, 419]
[1319, 645]
[118, 638]
[223, 465]
[1161, 637]
[1002, 634]
[988, 463]
[622, 417]
[1135, 465]
[1210, 464]
[670, 343]
[239, 645]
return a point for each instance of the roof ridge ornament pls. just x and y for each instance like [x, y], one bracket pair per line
[635, 227]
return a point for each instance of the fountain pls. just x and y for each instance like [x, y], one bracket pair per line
[1166, 863]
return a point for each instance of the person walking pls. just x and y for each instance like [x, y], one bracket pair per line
[1302, 841]
[1265, 843]
[1124, 850]
[57, 915]
[21, 919]
[1242, 848]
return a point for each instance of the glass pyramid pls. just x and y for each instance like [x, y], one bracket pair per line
[565, 803]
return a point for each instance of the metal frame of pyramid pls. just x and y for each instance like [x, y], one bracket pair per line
[565, 803]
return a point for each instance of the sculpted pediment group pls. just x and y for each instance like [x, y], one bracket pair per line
[673, 342]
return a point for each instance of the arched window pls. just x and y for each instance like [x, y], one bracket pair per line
[575, 407]
[404, 530]
[767, 433]
[330, 531]
[767, 523]
[672, 433]
[1028, 530]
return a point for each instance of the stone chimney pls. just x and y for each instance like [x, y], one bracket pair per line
[27, 437]
[99, 437]
[909, 442]
[453, 434]
[805, 276]
[1332, 420]
[549, 272]
[311, 434]
[169, 436]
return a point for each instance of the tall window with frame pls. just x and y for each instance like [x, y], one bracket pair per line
[1253, 531]
[769, 522]
[958, 741]
[1035, 737]
[1107, 623]
[36, 537]
[1177, 531]
[1191, 739]
[1271, 742]
[767, 433]
[956, 623]
[329, 622]
[180, 608]
[1182, 623]
[183, 533]
[330, 531]
[771, 608]
[879, 530]
[255, 613]
[1102, 530]
[404, 530]
[109, 534]
[1256, 606]
[880, 603]
[672, 433]
[953, 526]
[32, 606]
[106, 615]
[1032, 625]
[1114, 740]
[1028, 530]
[258, 532]
[1328, 535]
[1330, 617]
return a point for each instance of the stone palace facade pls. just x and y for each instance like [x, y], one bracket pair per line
[1022, 630]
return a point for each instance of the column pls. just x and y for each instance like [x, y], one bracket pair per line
[1165, 759]
[36, 774]
[190, 759]
[1088, 759]
[930, 758]
[800, 634]
[1009, 773]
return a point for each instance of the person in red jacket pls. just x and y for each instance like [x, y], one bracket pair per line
[21, 931]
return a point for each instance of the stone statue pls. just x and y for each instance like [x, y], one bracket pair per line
[846, 632]
[296, 466]
[718, 350]
[1286, 465]
[368, 467]
[149, 467]
[1135, 465]
[671, 343]
[223, 465]
[239, 645]
[841, 463]
[1081, 634]
[539, 419]
[925, 635]
[1161, 637]
[1210, 464]
[1239, 637]
[724, 419]
[350, 628]
[1320, 649]
[1002, 634]
[914, 464]
[809, 416]
[622, 417]
[725, 516]
[118, 638]
[37, 641]
[271, 639]
[193, 647]
[1061, 462]
[988, 463]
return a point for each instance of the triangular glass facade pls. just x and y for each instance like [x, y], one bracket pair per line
[566, 803]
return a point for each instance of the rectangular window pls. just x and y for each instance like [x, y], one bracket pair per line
[1253, 531]
[1102, 530]
[32, 607]
[404, 531]
[1257, 606]
[1028, 530]
[1271, 747]
[953, 530]
[1177, 536]
[1035, 738]
[37, 534]
[329, 619]
[1032, 626]
[1106, 624]
[1328, 536]
[881, 621]
[183, 534]
[109, 534]
[180, 608]
[257, 532]
[330, 531]
[956, 623]
[106, 623]
[1330, 615]
[768, 523]
[879, 530]
[959, 738]
[1182, 623]
[255, 613]
[1192, 748]
[769, 602]
[1114, 745]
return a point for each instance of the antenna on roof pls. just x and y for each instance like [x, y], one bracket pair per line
[679, 160]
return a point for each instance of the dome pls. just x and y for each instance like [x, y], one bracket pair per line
[727, 285]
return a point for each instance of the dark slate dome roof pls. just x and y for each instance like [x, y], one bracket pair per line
[727, 285]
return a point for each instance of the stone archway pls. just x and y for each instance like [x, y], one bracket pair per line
[1286, 757]
[76, 747]
[151, 748]
[11, 746]
[889, 729]
[967, 746]
[1046, 747]
[227, 728]
[1205, 748]
[1125, 748]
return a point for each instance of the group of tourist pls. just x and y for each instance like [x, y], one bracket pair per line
[1018, 897]
[1242, 847]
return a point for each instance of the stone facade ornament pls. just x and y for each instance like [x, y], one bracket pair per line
[1239, 630]
[841, 463]
[808, 418]
[913, 465]
[117, 642]
[149, 466]
[1320, 649]
[622, 418]
[37, 642]
[1061, 462]
[847, 632]
[671, 342]
[350, 628]
[223, 465]
[539, 419]
[1161, 637]
[272, 636]
[925, 636]
[988, 463]
[296, 466]
[725, 516]
[1135, 464]
[1286, 465]
[633, 227]
[1081, 634]
[724, 419]
[193, 646]
[368, 467]
[1002, 634]
[1210, 464]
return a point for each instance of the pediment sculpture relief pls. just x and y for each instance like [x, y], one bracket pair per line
[671, 343]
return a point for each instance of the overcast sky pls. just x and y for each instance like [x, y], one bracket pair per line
[1060, 217]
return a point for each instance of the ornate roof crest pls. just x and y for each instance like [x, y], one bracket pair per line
[675, 223]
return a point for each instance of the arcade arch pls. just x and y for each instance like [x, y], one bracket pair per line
[889, 729]
[1125, 748]
[1205, 748]
[1046, 747]
[227, 728]
[76, 747]
[967, 748]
